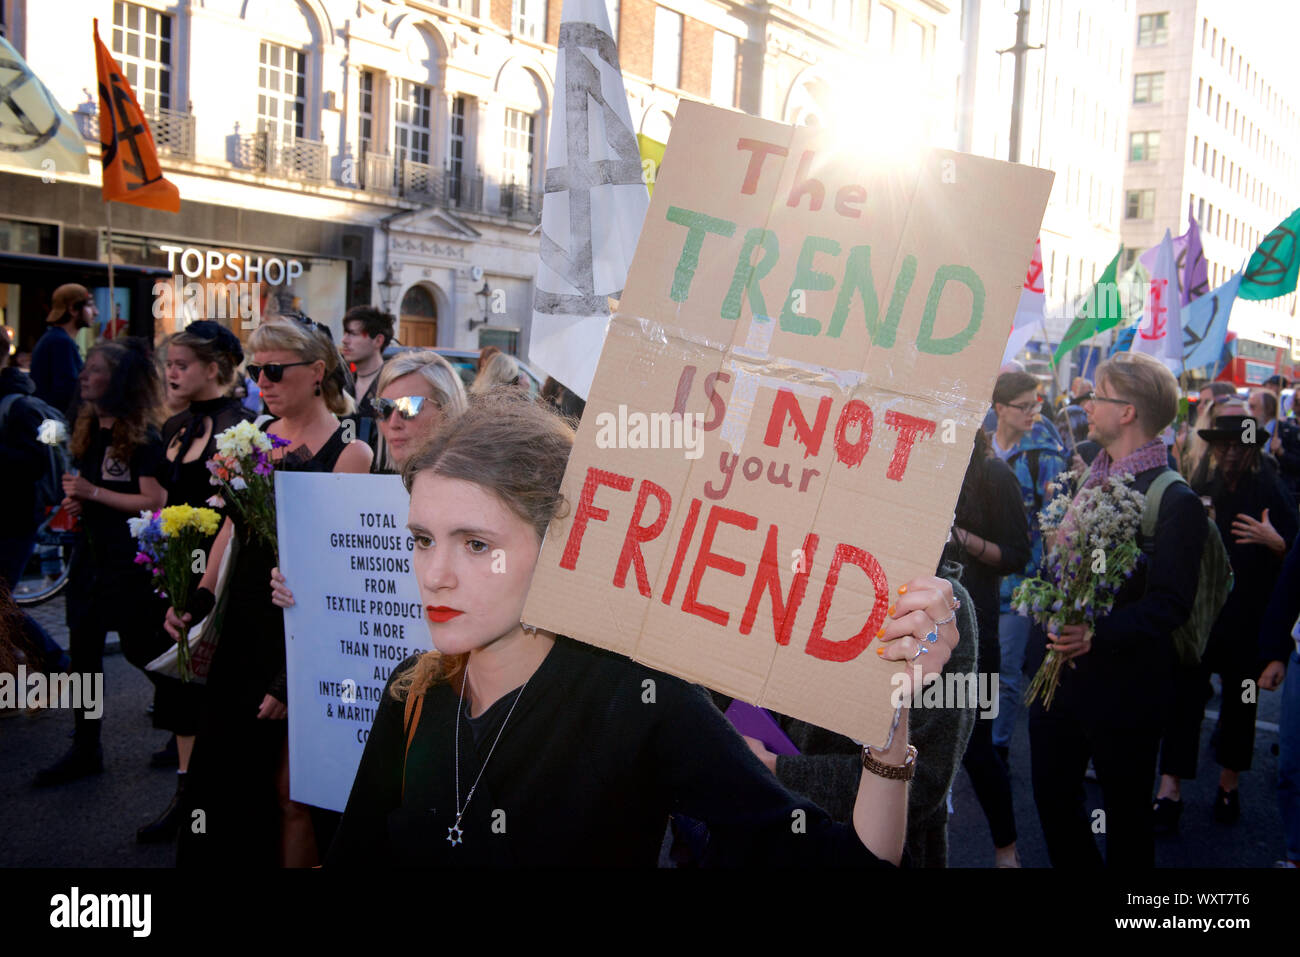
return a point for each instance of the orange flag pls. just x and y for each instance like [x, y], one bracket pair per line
[131, 170]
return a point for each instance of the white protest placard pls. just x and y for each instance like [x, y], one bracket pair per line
[346, 554]
[832, 321]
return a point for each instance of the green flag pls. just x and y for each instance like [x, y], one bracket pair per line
[1102, 309]
[1272, 271]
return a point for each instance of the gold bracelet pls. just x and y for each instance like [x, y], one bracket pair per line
[894, 772]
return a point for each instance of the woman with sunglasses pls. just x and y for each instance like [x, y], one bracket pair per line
[239, 768]
[511, 724]
[200, 367]
[415, 393]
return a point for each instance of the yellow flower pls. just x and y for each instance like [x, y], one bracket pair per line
[206, 520]
[175, 518]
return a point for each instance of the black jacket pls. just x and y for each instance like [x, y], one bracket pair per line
[599, 751]
[22, 457]
[1126, 679]
[1275, 641]
[56, 364]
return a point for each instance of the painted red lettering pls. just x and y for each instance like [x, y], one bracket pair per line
[587, 510]
[768, 577]
[707, 559]
[850, 648]
[811, 439]
[910, 429]
[637, 534]
[859, 412]
[759, 151]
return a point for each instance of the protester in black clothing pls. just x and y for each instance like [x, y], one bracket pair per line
[118, 456]
[559, 397]
[1112, 704]
[366, 333]
[56, 360]
[512, 723]
[990, 538]
[1258, 522]
[239, 769]
[201, 364]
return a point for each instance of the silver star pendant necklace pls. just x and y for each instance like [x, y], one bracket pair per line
[454, 833]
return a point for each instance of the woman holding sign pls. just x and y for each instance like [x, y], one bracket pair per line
[239, 769]
[512, 745]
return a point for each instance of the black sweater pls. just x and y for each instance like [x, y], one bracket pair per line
[599, 751]
[1126, 679]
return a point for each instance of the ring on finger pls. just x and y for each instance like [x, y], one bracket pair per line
[931, 636]
[920, 650]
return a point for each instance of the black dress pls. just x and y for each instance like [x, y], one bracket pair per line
[232, 776]
[107, 590]
[598, 753]
[177, 704]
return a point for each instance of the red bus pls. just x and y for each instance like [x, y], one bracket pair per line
[1252, 362]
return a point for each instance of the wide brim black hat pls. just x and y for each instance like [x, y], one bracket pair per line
[1232, 428]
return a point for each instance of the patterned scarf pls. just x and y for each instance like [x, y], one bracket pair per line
[1150, 456]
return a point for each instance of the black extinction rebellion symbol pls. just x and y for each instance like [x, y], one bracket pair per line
[19, 133]
[1275, 252]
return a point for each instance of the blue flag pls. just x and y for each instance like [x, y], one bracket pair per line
[1123, 340]
[1205, 325]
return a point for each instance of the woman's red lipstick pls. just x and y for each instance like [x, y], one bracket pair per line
[441, 613]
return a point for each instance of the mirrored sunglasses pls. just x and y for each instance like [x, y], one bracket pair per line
[407, 406]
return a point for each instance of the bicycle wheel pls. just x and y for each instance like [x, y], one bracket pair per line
[46, 573]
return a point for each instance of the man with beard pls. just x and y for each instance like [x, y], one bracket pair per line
[56, 360]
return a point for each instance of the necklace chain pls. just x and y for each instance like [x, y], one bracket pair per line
[454, 833]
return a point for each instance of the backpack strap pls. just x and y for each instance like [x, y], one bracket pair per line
[7, 403]
[1031, 460]
[1151, 505]
[414, 706]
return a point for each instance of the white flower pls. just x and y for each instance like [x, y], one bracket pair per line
[241, 439]
[52, 432]
[216, 501]
[238, 484]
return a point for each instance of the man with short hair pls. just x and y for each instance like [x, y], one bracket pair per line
[56, 360]
[1115, 696]
[1283, 436]
[1276, 384]
[366, 332]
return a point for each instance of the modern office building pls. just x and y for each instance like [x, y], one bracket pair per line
[1213, 125]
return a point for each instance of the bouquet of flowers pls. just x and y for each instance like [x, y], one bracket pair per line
[171, 543]
[1092, 549]
[243, 470]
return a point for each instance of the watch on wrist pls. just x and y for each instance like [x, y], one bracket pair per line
[894, 772]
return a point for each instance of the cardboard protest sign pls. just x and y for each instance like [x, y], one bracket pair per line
[346, 554]
[829, 327]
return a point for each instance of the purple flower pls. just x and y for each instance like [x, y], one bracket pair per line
[277, 442]
[263, 467]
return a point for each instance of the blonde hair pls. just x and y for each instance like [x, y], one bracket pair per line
[500, 370]
[1145, 382]
[310, 345]
[448, 391]
[515, 450]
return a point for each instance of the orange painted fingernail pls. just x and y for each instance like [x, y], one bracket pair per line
[891, 610]
[902, 589]
[880, 651]
[880, 633]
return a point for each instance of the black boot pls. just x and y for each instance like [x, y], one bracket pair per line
[166, 756]
[80, 761]
[163, 830]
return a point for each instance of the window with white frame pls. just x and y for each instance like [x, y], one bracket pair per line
[468, 7]
[667, 67]
[517, 157]
[1143, 146]
[142, 44]
[529, 18]
[1140, 204]
[456, 146]
[723, 88]
[366, 111]
[412, 122]
[1148, 87]
[281, 91]
[1153, 29]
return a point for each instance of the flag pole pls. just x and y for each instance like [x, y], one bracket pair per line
[108, 223]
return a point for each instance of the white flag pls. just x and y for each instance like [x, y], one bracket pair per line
[1160, 333]
[1031, 308]
[594, 203]
[35, 132]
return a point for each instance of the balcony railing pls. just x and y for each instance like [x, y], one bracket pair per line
[518, 202]
[377, 173]
[295, 158]
[173, 130]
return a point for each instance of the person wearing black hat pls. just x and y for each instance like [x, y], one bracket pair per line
[1258, 523]
[56, 360]
[200, 367]
[118, 456]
